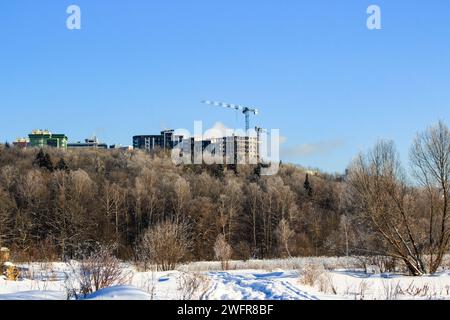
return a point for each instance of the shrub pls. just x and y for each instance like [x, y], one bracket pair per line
[100, 269]
[326, 284]
[165, 245]
[192, 286]
[310, 274]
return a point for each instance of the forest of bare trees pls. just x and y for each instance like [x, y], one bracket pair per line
[54, 203]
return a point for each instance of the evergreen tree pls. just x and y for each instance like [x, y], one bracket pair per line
[307, 186]
[39, 157]
[217, 170]
[257, 171]
[62, 165]
[43, 160]
[7, 145]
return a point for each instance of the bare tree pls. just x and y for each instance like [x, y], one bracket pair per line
[278, 203]
[182, 196]
[388, 202]
[8, 175]
[233, 197]
[344, 226]
[430, 157]
[118, 196]
[285, 235]
[165, 245]
[6, 217]
[147, 196]
[254, 201]
[223, 251]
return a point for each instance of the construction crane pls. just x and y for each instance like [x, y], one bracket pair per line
[245, 110]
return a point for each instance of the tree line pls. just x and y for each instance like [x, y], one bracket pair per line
[55, 202]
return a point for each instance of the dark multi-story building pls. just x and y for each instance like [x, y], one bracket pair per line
[166, 141]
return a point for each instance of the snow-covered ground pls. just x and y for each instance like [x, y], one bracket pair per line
[205, 281]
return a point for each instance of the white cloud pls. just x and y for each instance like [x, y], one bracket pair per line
[312, 149]
[217, 131]
[220, 130]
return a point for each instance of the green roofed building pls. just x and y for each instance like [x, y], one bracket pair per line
[44, 138]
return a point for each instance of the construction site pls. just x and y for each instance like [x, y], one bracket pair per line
[236, 148]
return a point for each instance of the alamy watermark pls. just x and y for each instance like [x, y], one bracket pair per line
[373, 22]
[374, 19]
[73, 22]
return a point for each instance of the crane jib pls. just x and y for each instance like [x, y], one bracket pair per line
[245, 110]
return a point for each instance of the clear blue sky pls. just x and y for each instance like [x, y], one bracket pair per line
[330, 85]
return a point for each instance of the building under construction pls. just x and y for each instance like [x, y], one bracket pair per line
[238, 149]
[224, 150]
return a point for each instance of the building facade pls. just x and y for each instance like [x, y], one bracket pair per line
[92, 143]
[44, 138]
[238, 149]
[225, 150]
[167, 140]
[193, 151]
[21, 143]
[120, 147]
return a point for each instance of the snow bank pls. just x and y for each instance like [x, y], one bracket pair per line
[119, 293]
[34, 295]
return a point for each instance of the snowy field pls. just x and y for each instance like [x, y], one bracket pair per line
[293, 279]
